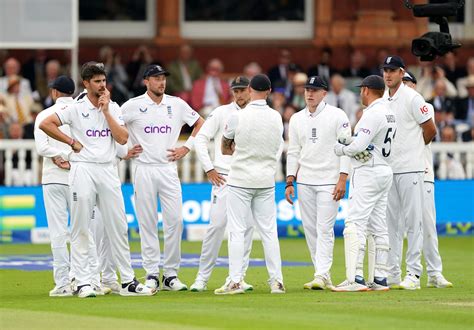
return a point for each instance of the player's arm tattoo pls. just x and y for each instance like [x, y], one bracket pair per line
[227, 146]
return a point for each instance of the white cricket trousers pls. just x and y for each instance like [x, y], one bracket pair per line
[103, 253]
[368, 193]
[56, 202]
[153, 182]
[318, 214]
[405, 214]
[92, 183]
[434, 265]
[215, 234]
[241, 204]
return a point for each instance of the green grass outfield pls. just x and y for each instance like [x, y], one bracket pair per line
[24, 301]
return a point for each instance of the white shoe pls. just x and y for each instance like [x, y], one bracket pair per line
[319, 282]
[374, 286]
[114, 287]
[229, 289]
[135, 288]
[101, 290]
[277, 287]
[86, 291]
[173, 283]
[410, 282]
[62, 291]
[394, 283]
[439, 282]
[245, 286]
[153, 282]
[198, 286]
[347, 286]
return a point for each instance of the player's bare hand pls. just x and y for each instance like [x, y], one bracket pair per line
[77, 146]
[215, 178]
[104, 100]
[339, 189]
[134, 152]
[61, 163]
[290, 194]
[177, 153]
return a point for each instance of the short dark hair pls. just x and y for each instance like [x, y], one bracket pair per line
[377, 92]
[91, 69]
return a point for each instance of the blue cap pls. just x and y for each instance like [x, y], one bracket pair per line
[154, 70]
[393, 62]
[63, 84]
[373, 82]
[260, 83]
[316, 82]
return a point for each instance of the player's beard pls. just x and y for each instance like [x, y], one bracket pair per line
[157, 93]
[242, 103]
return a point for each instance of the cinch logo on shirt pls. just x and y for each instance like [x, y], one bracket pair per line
[98, 133]
[157, 129]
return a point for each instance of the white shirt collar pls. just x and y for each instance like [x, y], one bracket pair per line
[151, 102]
[377, 101]
[258, 102]
[65, 99]
[319, 109]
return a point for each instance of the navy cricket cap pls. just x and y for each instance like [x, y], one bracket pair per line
[260, 83]
[63, 84]
[316, 82]
[373, 82]
[154, 70]
[239, 82]
[408, 76]
[393, 62]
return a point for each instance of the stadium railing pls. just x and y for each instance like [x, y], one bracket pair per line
[190, 169]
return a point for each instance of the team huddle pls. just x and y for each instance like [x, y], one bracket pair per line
[387, 157]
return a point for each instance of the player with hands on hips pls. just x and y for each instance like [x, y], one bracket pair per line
[217, 173]
[96, 125]
[320, 175]
[370, 183]
[154, 120]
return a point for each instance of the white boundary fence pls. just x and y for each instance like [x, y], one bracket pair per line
[190, 169]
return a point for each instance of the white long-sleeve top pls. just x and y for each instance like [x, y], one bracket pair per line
[257, 132]
[311, 140]
[428, 154]
[49, 147]
[376, 127]
[213, 129]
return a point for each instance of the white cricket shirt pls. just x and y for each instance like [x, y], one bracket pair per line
[311, 140]
[257, 131]
[89, 127]
[410, 111]
[213, 129]
[49, 147]
[156, 127]
[429, 172]
[377, 127]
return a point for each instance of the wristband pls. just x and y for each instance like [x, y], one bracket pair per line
[189, 142]
[289, 184]
[72, 142]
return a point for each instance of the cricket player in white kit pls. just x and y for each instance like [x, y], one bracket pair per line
[96, 125]
[254, 137]
[154, 120]
[55, 186]
[434, 265]
[370, 183]
[405, 200]
[320, 174]
[217, 173]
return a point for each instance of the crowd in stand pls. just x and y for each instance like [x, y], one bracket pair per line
[446, 84]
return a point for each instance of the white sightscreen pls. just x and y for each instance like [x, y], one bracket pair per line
[38, 23]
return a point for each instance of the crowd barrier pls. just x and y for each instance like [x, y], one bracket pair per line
[23, 219]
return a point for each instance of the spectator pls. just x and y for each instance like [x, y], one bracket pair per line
[52, 71]
[29, 128]
[277, 99]
[382, 54]
[252, 69]
[297, 98]
[468, 136]
[17, 107]
[280, 71]
[323, 69]
[117, 78]
[452, 71]
[452, 166]
[461, 83]
[12, 68]
[357, 67]
[211, 91]
[20, 177]
[464, 111]
[289, 111]
[184, 71]
[440, 100]
[342, 98]
[34, 70]
[430, 74]
[141, 58]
